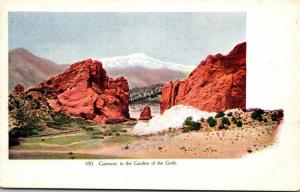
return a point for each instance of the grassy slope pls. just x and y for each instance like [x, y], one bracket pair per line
[83, 144]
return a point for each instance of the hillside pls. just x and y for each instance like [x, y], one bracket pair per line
[31, 115]
[28, 69]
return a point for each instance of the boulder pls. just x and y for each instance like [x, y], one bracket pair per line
[85, 90]
[19, 88]
[218, 83]
[146, 113]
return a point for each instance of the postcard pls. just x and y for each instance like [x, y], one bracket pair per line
[169, 95]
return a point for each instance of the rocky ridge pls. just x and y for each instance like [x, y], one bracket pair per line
[142, 93]
[85, 90]
[217, 84]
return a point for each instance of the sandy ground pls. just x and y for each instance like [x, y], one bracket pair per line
[217, 144]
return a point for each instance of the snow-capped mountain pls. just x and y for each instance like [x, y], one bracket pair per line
[142, 60]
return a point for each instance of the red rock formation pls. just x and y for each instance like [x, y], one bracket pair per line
[19, 88]
[85, 90]
[217, 84]
[146, 113]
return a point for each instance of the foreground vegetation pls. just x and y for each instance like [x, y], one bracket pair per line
[38, 132]
[232, 120]
[31, 115]
[81, 144]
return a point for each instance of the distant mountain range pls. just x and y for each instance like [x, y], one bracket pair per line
[139, 69]
[28, 69]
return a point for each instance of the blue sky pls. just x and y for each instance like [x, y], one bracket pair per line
[184, 38]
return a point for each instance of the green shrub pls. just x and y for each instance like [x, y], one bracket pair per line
[280, 113]
[188, 121]
[186, 129]
[96, 134]
[274, 117]
[277, 115]
[225, 121]
[27, 126]
[222, 126]
[239, 123]
[234, 120]
[81, 122]
[219, 115]
[190, 125]
[229, 114]
[211, 122]
[56, 125]
[195, 126]
[59, 121]
[257, 114]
